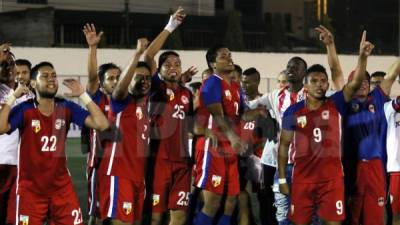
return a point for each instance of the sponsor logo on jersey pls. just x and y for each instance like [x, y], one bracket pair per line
[156, 199]
[216, 180]
[36, 126]
[371, 108]
[171, 94]
[355, 107]
[59, 123]
[325, 115]
[139, 113]
[381, 201]
[24, 219]
[302, 121]
[228, 95]
[127, 207]
[184, 99]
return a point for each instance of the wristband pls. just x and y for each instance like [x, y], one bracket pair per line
[85, 98]
[282, 181]
[11, 100]
[171, 25]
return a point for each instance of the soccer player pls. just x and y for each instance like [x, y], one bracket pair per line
[44, 187]
[314, 126]
[171, 113]
[100, 86]
[122, 170]
[216, 166]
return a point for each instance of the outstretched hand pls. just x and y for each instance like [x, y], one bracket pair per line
[75, 87]
[325, 35]
[141, 45]
[22, 89]
[365, 46]
[175, 19]
[188, 74]
[92, 37]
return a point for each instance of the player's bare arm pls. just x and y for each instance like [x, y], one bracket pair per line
[93, 39]
[284, 143]
[174, 21]
[217, 112]
[6, 108]
[121, 90]
[365, 51]
[96, 120]
[253, 114]
[327, 38]
[391, 74]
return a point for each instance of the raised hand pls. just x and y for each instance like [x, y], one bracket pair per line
[365, 46]
[4, 51]
[75, 87]
[22, 89]
[325, 35]
[92, 38]
[188, 74]
[175, 19]
[141, 45]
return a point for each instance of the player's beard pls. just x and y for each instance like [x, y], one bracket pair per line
[47, 94]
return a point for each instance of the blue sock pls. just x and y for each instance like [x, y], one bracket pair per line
[225, 220]
[202, 219]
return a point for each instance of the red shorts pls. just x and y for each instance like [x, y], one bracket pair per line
[328, 197]
[216, 172]
[120, 198]
[8, 175]
[368, 197]
[394, 191]
[61, 207]
[171, 186]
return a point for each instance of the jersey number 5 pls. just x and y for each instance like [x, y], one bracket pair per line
[49, 143]
[179, 113]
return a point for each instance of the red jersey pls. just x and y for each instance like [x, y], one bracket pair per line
[171, 111]
[217, 90]
[317, 141]
[126, 158]
[42, 165]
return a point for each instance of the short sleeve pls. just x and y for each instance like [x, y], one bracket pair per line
[211, 91]
[289, 118]
[16, 117]
[97, 96]
[379, 96]
[340, 102]
[389, 108]
[119, 106]
[243, 105]
[78, 114]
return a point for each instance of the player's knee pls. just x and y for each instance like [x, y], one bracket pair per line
[396, 219]
[178, 218]
[230, 204]
[156, 218]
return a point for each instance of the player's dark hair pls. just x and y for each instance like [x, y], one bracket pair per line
[316, 68]
[35, 69]
[252, 72]
[23, 62]
[378, 74]
[103, 70]
[299, 59]
[211, 54]
[164, 56]
[143, 65]
[238, 69]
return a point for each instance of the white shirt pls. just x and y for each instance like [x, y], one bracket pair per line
[392, 139]
[9, 142]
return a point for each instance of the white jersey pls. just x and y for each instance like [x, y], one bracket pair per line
[9, 142]
[392, 138]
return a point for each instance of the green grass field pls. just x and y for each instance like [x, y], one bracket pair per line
[77, 167]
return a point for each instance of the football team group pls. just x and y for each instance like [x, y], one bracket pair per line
[162, 150]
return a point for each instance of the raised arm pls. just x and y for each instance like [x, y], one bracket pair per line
[390, 77]
[174, 21]
[96, 120]
[333, 60]
[284, 143]
[92, 39]
[5, 109]
[359, 75]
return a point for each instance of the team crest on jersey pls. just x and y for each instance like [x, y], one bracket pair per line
[381, 201]
[59, 123]
[216, 180]
[171, 94]
[127, 207]
[184, 99]
[139, 113]
[355, 107]
[228, 95]
[36, 126]
[156, 199]
[302, 121]
[325, 115]
[371, 108]
[24, 219]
